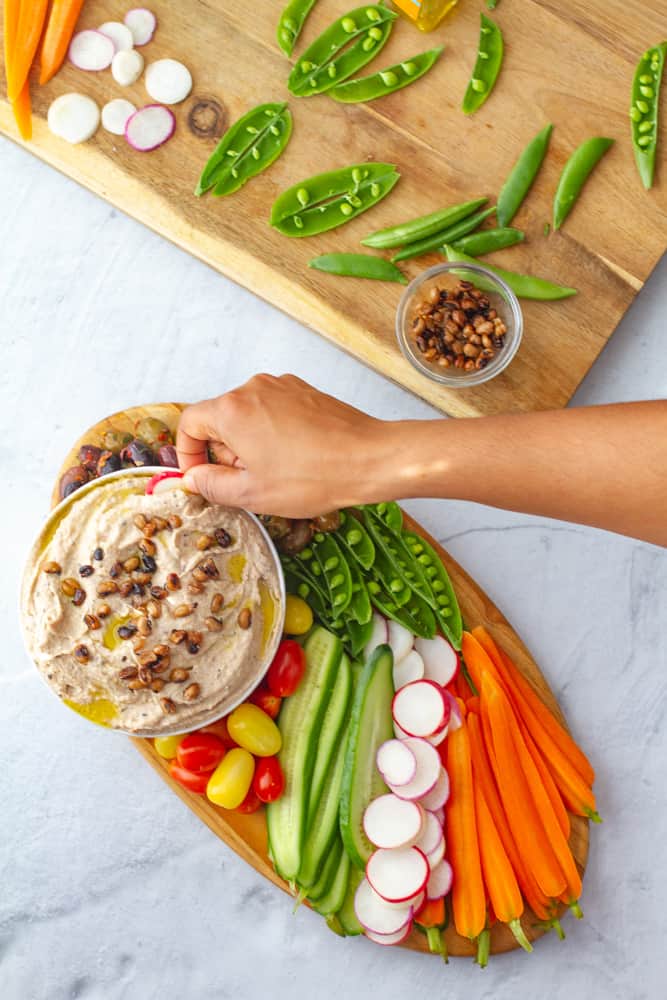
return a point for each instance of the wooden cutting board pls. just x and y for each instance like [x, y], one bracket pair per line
[246, 835]
[569, 62]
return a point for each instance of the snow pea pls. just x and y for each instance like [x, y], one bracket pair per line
[249, 146]
[359, 608]
[448, 611]
[421, 227]
[356, 540]
[390, 513]
[644, 110]
[575, 174]
[386, 81]
[522, 175]
[343, 48]
[416, 615]
[335, 571]
[386, 574]
[437, 241]
[525, 286]
[328, 200]
[488, 240]
[399, 559]
[358, 265]
[301, 569]
[487, 66]
[290, 23]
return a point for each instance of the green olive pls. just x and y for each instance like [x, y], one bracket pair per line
[153, 432]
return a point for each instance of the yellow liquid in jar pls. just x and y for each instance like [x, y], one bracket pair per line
[426, 14]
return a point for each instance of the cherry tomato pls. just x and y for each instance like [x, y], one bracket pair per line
[200, 752]
[220, 730]
[298, 616]
[269, 703]
[167, 746]
[269, 781]
[286, 671]
[250, 804]
[229, 783]
[254, 730]
[193, 782]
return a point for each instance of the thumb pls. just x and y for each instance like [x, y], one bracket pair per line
[216, 483]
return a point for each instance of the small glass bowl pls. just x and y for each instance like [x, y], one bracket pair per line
[447, 276]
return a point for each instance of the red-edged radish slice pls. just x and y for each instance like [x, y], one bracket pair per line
[420, 708]
[455, 712]
[161, 482]
[150, 127]
[392, 822]
[430, 836]
[437, 796]
[427, 774]
[91, 50]
[399, 733]
[396, 762]
[397, 875]
[375, 915]
[438, 737]
[120, 35]
[142, 23]
[439, 815]
[435, 856]
[379, 635]
[388, 939]
[411, 668]
[168, 81]
[400, 639]
[127, 67]
[73, 117]
[440, 881]
[115, 115]
[441, 660]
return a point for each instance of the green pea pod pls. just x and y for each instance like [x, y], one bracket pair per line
[521, 177]
[386, 81]
[325, 201]
[300, 571]
[399, 559]
[390, 513]
[290, 23]
[438, 240]
[488, 240]
[249, 146]
[359, 608]
[415, 616]
[335, 571]
[575, 173]
[448, 612]
[385, 573]
[356, 540]
[343, 48]
[358, 265]
[524, 286]
[425, 225]
[487, 66]
[644, 110]
[359, 635]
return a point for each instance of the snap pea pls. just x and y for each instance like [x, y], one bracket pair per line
[390, 513]
[448, 235]
[325, 201]
[424, 225]
[402, 564]
[522, 175]
[359, 608]
[575, 174]
[358, 265]
[249, 146]
[356, 540]
[301, 570]
[525, 286]
[335, 571]
[415, 615]
[448, 612]
[488, 240]
[644, 110]
[386, 81]
[487, 66]
[342, 49]
[290, 23]
[385, 573]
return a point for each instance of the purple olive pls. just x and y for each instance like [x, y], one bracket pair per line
[167, 456]
[137, 453]
[72, 480]
[299, 535]
[108, 462]
[89, 455]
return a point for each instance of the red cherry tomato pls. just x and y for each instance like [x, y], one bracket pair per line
[200, 752]
[189, 779]
[269, 703]
[220, 730]
[286, 671]
[269, 781]
[250, 804]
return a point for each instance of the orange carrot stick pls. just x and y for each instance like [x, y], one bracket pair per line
[32, 14]
[478, 661]
[22, 109]
[468, 903]
[12, 9]
[548, 782]
[59, 31]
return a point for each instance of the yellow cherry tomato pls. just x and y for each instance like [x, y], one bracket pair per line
[253, 729]
[229, 783]
[167, 746]
[298, 616]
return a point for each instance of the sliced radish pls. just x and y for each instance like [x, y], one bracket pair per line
[397, 875]
[150, 127]
[399, 733]
[439, 815]
[375, 915]
[386, 939]
[430, 836]
[142, 23]
[420, 708]
[455, 716]
[440, 881]
[438, 795]
[91, 50]
[127, 67]
[401, 641]
[115, 115]
[435, 856]
[379, 635]
[396, 762]
[411, 668]
[73, 117]
[426, 775]
[438, 737]
[392, 822]
[120, 35]
[160, 482]
[168, 81]
[440, 659]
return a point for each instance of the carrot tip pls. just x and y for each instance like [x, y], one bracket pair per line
[483, 948]
[593, 815]
[551, 925]
[519, 934]
[576, 909]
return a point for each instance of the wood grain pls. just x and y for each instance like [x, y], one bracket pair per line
[567, 61]
[246, 835]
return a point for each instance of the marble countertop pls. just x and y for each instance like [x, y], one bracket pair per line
[111, 887]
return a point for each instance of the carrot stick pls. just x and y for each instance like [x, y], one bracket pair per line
[12, 9]
[32, 14]
[548, 782]
[59, 31]
[468, 903]
[478, 661]
[22, 109]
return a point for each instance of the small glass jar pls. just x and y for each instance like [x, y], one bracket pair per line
[426, 14]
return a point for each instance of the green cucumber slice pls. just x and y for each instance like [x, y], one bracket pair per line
[329, 869]
[346, 915]
[332, 900]
[329, 735]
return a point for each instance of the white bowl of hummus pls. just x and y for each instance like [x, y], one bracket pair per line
[151, 614]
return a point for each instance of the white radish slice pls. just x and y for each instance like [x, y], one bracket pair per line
[396, 762]
[438, 737]
[440, 659]
[401, 640]
[392, 822]
[438, 795]
[399, 733]
[142, 23]
[73, 117]
[455, 716]
[168, 81]
[115, 115]
[379, 635]
[435, 856]
[375, 915]
[440, 881]
[439, 815]
[120, 35]
[150, 127]
[397, 875]
[430, 836]
[427, 774]
[411, 668]
[127, 67]
[91, 50]
[388, 939]
[420, 708]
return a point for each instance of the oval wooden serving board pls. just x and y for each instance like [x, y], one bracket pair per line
[246, 835]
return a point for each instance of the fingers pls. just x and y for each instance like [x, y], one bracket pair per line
[196, 428]
[217, 483]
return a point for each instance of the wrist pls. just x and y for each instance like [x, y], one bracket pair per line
[412, 458]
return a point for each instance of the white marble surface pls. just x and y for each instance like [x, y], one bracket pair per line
[110, 887]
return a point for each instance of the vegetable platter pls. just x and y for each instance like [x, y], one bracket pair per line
[419, 705]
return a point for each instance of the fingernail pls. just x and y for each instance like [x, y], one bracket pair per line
[190, 482]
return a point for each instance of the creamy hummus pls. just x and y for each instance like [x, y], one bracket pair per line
[150, 613]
